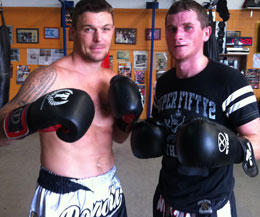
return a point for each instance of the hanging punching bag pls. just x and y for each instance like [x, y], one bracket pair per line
[211, 49]
[5, 59]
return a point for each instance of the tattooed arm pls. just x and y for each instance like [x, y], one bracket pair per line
[37, 84]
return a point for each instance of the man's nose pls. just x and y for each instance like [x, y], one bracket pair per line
[98, 35]
[178, 34]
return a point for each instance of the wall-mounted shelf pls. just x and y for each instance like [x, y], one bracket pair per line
[252, 10]
[240, 57]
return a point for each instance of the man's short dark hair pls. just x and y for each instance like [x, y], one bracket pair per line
[187, 5]
[95, 6]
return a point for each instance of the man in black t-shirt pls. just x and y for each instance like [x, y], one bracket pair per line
[204, 119]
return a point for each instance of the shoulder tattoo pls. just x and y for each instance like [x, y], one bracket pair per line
[36, 85]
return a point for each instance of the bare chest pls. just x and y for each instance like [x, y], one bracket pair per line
[98, 90]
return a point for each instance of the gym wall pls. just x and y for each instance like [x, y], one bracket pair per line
[246, 21]
[140, 19]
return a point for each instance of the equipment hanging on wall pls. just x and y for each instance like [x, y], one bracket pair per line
[211, 48]
[217, 40]
[223, 10]
[5, 61]
[220, 33]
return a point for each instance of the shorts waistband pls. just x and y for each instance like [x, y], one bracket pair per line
[62, 185]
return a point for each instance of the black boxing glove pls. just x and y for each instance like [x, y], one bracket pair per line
[68, 111]
[126, 101]
[148, 138]
[203, 143]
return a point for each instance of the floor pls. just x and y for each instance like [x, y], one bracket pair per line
[19, 166]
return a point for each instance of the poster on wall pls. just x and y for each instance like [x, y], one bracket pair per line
[125, 68]
[68, 16]
[43, 56]
[142, 88]
[122, 55]
[140, 60]
[125, 36]
[15, 54]
[256, 60]
[156, 34]
[111, 62]
[139, 76]
[252, 76]
[33, 56]
[160, 59]
[56, 54]
[22, 73]
[51, 33]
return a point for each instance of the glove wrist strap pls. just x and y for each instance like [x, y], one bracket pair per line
[16, 123]
[249, 163]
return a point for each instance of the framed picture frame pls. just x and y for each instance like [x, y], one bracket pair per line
[156, 35]
[125, 36]
[51, 33]
[68, 16]
[27, 35]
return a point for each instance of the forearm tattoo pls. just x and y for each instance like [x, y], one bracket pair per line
[36, 85]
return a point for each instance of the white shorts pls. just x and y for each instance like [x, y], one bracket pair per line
[57, 196]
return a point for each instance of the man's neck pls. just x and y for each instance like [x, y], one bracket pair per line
[186, 69]
[84, 65]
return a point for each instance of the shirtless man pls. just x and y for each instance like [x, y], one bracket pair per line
[77, 177]
[211, 119]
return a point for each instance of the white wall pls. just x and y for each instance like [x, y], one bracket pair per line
[232, 4]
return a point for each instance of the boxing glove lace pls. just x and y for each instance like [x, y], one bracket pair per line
[69, 112]
[203, 143]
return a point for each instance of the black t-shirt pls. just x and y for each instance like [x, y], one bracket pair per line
[218, 93]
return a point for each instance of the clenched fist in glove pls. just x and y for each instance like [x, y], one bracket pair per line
[148, 138]
[68, 111]
[203, 143]
[126, 101]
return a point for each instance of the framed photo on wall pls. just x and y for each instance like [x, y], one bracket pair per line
[51, 33]
[156, 35]
[27, 35]
[68, 16]
[125, 36]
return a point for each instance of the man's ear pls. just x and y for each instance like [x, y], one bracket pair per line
[207, 33]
